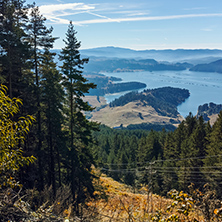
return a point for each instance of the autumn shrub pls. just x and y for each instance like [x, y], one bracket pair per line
[12, 136]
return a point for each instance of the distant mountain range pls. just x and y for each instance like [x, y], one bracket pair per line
[194, 56]
[98, 65]
[114, 59]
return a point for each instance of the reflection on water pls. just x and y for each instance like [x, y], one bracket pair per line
[204, 87]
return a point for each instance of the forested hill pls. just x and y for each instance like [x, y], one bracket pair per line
[106, 85]
[210, 67]
[164, 100]
[129, 65]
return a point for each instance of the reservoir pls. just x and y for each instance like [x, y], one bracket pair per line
[204, 87]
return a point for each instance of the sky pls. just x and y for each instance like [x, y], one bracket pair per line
[137, 24]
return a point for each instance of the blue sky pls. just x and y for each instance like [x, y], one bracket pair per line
[137, 24]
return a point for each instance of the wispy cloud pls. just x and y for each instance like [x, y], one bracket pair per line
[97, 15]
[54, 12]
[147, 18]
[58, 13]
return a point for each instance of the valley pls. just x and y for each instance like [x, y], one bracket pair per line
[117, 71]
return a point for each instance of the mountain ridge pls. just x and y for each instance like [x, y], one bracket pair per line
[215, 66]
[171, 55]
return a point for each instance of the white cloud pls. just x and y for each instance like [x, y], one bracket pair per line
[51, 9]
[148, 18]
[56, 13]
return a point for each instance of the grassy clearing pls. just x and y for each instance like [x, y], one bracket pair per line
[94, 102]
[131, 113]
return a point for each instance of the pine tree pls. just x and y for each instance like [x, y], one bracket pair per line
[14, 48]
[52, 98]
[15, 52]
[190, 122]
[148, 150]
[214, 155]
[79, 128]
[39, 37]
[170, 152]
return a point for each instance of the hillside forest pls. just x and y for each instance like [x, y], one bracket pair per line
[52, 157]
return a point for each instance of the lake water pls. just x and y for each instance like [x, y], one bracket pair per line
[204, 87]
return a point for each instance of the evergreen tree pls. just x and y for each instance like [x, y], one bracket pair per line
[214, 155]
[14, 49]
[190, 122]
[169, 174]
[39, 37]
[184, 165]
[149, 149]
[15, 57]
[112, 163]
[192, 148]
[79, 128]
[52, 98]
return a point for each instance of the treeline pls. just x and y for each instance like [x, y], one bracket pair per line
[164, 160]
[164, 100]
[153, 126]
[59, 139]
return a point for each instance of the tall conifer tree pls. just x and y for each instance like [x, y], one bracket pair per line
[214, 155]
[79, 128]
[39, 37]
[52, 99]
[14, 49]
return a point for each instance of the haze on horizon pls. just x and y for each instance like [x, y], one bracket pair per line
[138, 25]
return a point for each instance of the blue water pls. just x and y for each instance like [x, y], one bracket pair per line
[204, 87]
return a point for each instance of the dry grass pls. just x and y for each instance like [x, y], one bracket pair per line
[93, 101]
[131, 113]
[125, 205]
